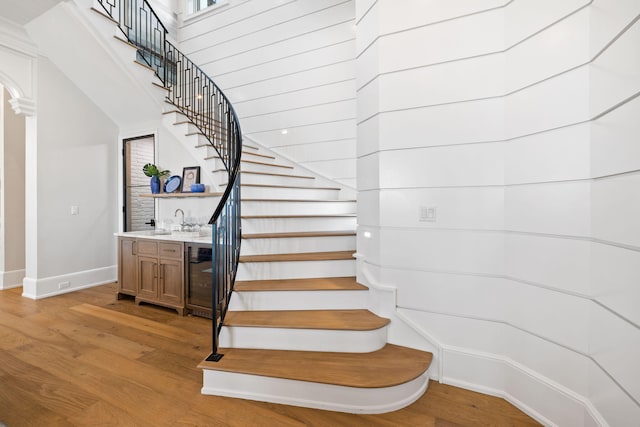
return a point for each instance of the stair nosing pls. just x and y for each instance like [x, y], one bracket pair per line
[299, 257]
[127, 42]
[266, 156]
[105, 15]
[293, 285]
[345, 215]
[275, 165]
[285, 186]
[297, 200]
[294, 234]
[160, 86]
[278, 174]
[144, 65]
[293, 319]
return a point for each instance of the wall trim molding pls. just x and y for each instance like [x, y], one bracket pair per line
[11, 279]
[49, 286]
[444, 349]
[505, 50]
[547, 382]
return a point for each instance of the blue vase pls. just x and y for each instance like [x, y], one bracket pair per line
[155, 184]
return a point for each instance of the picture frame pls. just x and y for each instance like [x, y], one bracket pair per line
[190, 175]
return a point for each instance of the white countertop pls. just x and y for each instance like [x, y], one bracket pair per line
[154, 235]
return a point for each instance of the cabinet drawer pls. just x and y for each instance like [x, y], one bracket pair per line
[147, 247]
[170, 250]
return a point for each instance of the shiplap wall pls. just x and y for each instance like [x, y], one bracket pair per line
[285, 64]
[517, 121]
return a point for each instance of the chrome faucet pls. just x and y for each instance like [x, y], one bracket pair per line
[176, 214]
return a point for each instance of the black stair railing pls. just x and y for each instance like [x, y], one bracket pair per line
[195, 94]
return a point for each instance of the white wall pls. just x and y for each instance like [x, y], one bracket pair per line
[285, 65]
[76, 166]
[516, 120]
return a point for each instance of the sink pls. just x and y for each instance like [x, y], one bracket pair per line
[160, 233]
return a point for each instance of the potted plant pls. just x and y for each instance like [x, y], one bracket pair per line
[152, 171]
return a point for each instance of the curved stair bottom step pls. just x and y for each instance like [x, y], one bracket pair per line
[330, 397]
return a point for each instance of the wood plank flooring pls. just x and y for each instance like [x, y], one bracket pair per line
[85, 359]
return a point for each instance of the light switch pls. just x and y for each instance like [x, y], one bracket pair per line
[75, 210]
[427, 213]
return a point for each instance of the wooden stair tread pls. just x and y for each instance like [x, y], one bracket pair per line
[299, 234]
[297, 200]
[104, 15]
[390, 366]
[266, 156]
[144, 65]
[275, 165]
[158, 85]
[337, 320]
[128, 43]
[314, 284]
[297, 216]
[273, 174]
[287, 186]
[209, 145]
[300, 256]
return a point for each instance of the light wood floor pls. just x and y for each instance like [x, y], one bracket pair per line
[85, 359]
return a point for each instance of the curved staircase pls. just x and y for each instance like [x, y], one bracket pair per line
[297, 330]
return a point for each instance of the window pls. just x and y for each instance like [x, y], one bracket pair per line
[197, 5]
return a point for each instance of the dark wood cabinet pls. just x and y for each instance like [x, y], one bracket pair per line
[152, 271]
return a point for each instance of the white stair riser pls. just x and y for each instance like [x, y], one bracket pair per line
[261, 161]
[253, 167]
[110, 30]
[257, 156]
[291, 245]
[297, 208]
[303, 339]
[295, 269]
[314, 395]
[299, 300]
[185, 128]
[251, 178]
[288, 193]
[282, 225]
[209, 151]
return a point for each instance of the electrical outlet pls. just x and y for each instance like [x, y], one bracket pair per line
[75, 210]
[63, 285]
[427, 214]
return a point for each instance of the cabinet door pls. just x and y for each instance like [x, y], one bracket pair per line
[171, 280]
[128, 263]
[148, 277]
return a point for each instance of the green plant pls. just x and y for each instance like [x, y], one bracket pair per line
[152, 170]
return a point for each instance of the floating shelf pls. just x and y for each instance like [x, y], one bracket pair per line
[177, 195]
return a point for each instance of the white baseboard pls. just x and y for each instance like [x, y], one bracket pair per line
[50, 286]
[11, 279]
[558, 406]
[543, 399]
